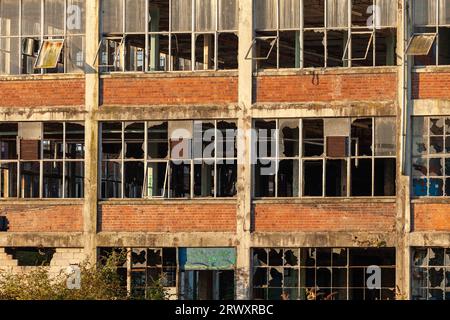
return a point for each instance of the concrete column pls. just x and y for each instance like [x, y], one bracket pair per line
[403, 227]
[243, 267]
[91, 129]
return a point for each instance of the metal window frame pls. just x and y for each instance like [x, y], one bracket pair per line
[349, 40]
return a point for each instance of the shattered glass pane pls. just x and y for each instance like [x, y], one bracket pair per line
[324, 277]
[339, 257]
[260, 277]
[436, 257]
[436, 144]
[447, 257]
[138, 258]
[308, 277]
[436, 167]
[435, 277]
[419, 277]
[420, 257]
[275, 277]
[259, 257]
[447, 126]
[289, 138]
[154, 257]
[419, 145]
[290, 277]
[339, 277]
[276, 257]
[419, 167]
[436, 126]
[435, 294]
[308, 257]
[323, 257]
[291, 257]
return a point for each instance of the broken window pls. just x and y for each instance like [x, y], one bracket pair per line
[429, 44]
[169, 159]
[33, 257]
[175, 35]
[431, 156]
[42, 160]
[335, 157]
[321, 273]
[325, 36]
[42, 36]
[430, 273]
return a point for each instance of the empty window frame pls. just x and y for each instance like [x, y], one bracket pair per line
[332, 157]
[27, 26]
[430, 274]
[326, 33]
[431, 17]
[322, 273]
[174, 35]
[431, 157]
[42, 160]
[169, 159]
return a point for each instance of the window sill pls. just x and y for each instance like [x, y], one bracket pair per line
[170, 74]
[38, 201]
[431, 200]
[434, 69]
[156, 201]
[325, 71]
[324, 200]
[53, 76]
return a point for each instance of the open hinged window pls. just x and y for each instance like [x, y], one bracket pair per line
[111, 53]
[264, 47]
[420, 44]
[366, 37]
[49, 54]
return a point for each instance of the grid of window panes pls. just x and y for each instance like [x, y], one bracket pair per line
[433, 17]
[431, 274]
[152, 267]
[325, 33]
[169, 159]
[322, 273]
[166, 35]
[42, 160]
[325, 157]
[431, 156]
[25, 24]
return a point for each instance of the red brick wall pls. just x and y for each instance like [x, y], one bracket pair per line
[328, 87]
[324, 217]
[430, 85]
[42, 93]
[43, 218]
[168, 218]
[170, 91]
[431, 217]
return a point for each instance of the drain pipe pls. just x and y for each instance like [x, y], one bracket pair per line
[405, 92]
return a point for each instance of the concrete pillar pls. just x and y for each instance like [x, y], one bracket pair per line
[243, 267]
[403, 227]
[91, 129]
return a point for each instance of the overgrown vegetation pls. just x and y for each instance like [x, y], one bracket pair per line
[97, 282]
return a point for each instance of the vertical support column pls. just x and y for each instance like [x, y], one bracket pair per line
[403, 226]
[91, 131]
[243, 263]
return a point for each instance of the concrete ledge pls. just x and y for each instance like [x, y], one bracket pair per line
[189, 239]
[323, 71]
[42, 239]
[429, 239]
